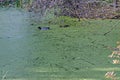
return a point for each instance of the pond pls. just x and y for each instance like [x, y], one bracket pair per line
[72, 53]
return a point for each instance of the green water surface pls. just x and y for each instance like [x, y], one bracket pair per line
[74, 53]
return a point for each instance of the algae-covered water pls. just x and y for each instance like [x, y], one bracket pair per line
[75, 53]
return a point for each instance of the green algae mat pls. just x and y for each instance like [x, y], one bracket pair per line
[78, 52]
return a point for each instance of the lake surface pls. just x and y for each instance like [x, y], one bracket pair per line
[73, 53]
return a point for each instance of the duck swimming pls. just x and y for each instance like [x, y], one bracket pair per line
[44, 28]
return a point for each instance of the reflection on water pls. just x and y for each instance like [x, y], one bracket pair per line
[14, 52]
